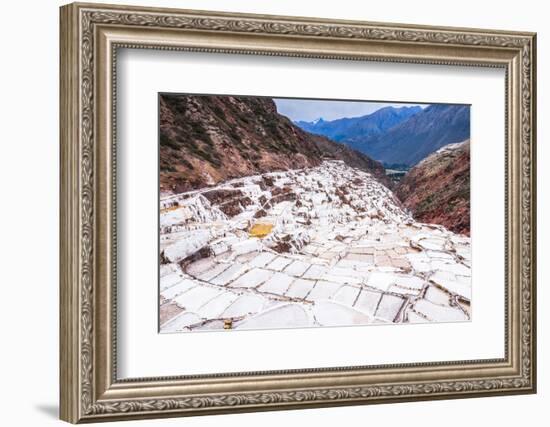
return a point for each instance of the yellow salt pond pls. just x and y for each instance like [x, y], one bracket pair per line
[170, 209]
[260, 230]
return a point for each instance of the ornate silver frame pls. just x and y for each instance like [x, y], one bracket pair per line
[90, 36]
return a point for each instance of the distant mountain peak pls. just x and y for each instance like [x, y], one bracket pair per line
[403, 134]
[419, 136]
[348, 129]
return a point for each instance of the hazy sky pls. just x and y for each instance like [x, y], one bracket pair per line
[309, 109]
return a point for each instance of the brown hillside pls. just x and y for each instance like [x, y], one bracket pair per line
[208, 139]
[437, 190]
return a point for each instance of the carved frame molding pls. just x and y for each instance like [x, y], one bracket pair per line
[90, 36]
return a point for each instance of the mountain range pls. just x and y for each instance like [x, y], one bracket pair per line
[349, 129]
[403, 135]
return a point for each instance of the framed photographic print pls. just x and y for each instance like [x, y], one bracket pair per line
[265, 212]
[263, 225]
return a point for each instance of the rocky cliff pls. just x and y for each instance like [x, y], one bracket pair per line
[205, 140]
[437, 190]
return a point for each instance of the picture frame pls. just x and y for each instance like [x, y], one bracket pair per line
[91, 37]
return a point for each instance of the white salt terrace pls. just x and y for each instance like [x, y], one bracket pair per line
[326, 246]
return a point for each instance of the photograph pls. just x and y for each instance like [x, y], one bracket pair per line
[294, 213]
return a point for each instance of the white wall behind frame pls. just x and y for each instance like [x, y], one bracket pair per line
[29, 260]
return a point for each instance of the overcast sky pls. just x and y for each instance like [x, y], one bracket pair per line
[309, 109]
